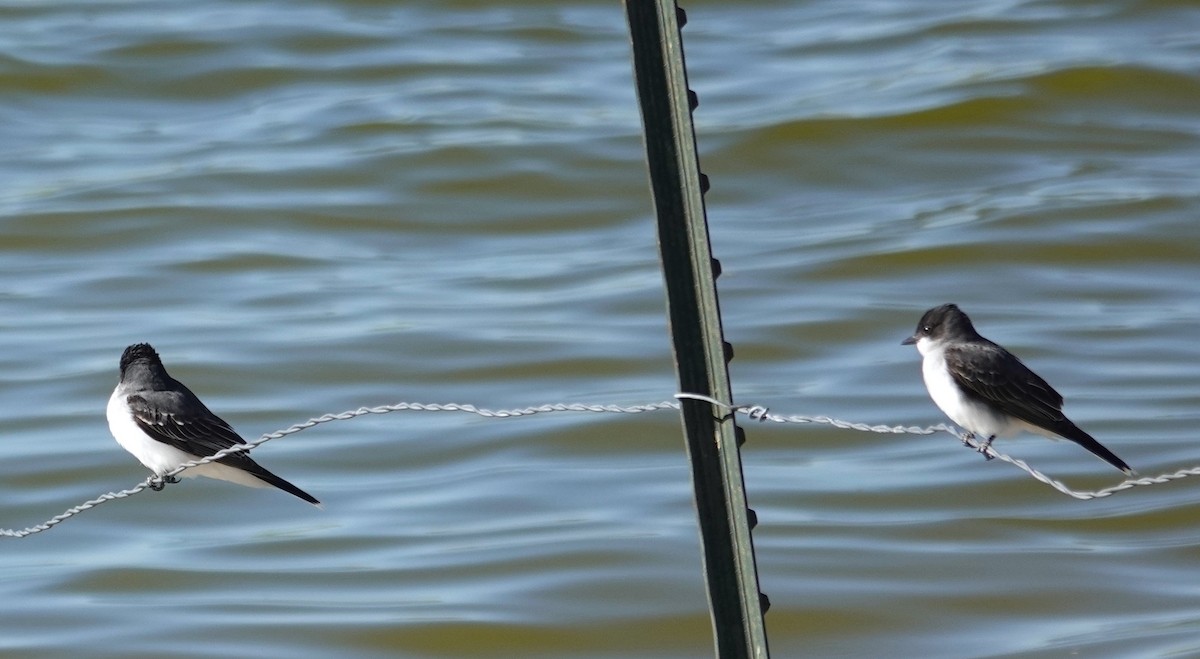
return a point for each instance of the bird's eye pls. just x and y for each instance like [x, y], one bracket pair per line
[927, 329]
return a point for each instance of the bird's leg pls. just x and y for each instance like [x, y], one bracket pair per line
[159, 482]
[983, 448]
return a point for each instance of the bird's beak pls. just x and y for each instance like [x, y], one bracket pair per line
[912, 340]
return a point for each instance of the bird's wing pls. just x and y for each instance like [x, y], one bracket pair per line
[200, 432]
[994, 375]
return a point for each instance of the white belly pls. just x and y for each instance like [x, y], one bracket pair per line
[161, 458]
[970, 415]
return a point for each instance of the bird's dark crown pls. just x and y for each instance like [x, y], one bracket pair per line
[945, 320]
[136, 352]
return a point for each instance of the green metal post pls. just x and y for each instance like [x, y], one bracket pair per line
[690, 272]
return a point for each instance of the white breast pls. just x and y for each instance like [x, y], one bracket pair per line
[161, 458]
[158, 457]
[946, 394]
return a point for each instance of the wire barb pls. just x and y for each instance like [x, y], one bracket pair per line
[753, 412]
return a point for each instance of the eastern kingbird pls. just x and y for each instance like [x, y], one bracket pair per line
[986, 389]
[162, 423]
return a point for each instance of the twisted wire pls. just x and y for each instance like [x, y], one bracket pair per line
[752, 412]
[760, 413]
[158, 481]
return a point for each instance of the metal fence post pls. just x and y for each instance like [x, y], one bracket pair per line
[690, 271]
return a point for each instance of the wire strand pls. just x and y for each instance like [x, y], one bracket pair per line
[760, 413]
[157, 481]
[752, 412]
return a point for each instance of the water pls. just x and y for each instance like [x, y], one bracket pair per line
[310, 208]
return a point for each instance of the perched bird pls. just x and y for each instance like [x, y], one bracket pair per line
[986, 389]
[163, 424]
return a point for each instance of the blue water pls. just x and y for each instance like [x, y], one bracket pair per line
[311, 208]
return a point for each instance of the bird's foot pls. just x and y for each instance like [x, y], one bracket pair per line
[159, 482]
[968, 439]
[985, 447]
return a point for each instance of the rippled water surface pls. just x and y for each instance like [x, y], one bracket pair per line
[312, 207]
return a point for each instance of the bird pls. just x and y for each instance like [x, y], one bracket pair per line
[163, 424]
[987, 390]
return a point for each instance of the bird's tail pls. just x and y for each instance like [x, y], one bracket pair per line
[289, 488]
[243, 462]
[1077, 435]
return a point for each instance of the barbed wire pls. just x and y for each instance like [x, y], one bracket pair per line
[752, 412]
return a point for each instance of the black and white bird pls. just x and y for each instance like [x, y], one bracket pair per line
[163, 424]
[986, 389]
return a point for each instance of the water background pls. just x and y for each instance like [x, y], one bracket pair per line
[310, 207]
